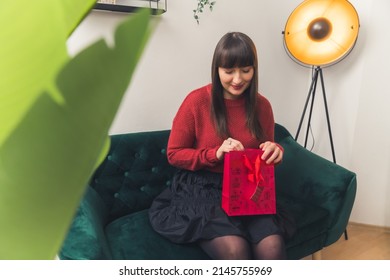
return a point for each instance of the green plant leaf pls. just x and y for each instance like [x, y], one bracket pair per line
[32, 50]
[74, 12]
[59, 125]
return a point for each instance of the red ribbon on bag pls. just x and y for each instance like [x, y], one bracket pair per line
[254, 176]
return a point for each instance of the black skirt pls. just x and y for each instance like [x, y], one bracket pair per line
[190, 210]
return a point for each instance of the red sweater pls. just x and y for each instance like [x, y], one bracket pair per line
[193, 142]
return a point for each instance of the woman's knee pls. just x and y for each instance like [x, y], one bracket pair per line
[270, 248]
[227, 248]
[237, 252]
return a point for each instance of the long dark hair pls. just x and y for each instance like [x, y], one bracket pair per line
[235, 49]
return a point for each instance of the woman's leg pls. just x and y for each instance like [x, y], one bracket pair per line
[270, 248]
[230, 247]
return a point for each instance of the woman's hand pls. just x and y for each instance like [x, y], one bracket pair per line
[229, 145]
[272, 152]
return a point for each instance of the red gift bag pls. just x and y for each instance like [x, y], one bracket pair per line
[248, 186]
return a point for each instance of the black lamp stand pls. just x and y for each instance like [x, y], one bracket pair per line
[311, 95]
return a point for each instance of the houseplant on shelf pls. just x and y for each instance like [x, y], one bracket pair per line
[56, 111]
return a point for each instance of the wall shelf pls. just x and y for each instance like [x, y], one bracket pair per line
[157, 7]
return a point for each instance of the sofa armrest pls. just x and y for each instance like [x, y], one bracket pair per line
[314, 180]
[86, 238]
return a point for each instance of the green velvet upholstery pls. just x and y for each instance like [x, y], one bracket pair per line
[112, 220]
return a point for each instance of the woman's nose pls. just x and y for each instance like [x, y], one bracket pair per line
[237, 78]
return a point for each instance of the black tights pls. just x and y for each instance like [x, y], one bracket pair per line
[233, 247]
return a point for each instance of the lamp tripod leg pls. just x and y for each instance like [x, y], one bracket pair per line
[329, 130]
[315, 79]
[309, 95]
[327, 117]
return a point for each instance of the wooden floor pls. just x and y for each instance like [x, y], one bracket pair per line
[364, 243]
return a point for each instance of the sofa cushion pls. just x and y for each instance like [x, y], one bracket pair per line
[131, 237]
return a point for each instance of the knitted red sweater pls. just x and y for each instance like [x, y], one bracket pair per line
[193, 142]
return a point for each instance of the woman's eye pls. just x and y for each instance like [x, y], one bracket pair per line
[246, 70]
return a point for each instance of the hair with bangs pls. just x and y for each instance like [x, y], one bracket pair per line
[235, 49]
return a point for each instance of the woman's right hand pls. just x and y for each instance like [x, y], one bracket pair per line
[229, 145]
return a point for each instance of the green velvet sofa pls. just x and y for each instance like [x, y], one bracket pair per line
[112, 220]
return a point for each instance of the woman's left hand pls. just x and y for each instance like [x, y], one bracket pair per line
[273, 154]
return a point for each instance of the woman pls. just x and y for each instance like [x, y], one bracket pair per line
[227, 115]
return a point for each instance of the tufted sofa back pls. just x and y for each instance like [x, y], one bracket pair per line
[135, 171]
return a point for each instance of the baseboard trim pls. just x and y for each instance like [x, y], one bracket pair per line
[368, 226]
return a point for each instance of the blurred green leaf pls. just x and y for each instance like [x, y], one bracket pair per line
[74, 12]
[55, 123]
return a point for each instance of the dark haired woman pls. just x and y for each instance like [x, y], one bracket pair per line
[228, 114]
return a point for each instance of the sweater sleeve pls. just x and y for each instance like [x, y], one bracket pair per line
[181, 150]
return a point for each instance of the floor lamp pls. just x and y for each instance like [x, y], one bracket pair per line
[318, 34]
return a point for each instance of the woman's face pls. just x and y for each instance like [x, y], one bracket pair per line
[235, 80]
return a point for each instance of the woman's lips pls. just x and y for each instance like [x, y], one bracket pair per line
[237, 87]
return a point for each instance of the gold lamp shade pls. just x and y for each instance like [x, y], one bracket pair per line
[321, 32]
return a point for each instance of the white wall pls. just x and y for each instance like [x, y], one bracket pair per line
[178, 59]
